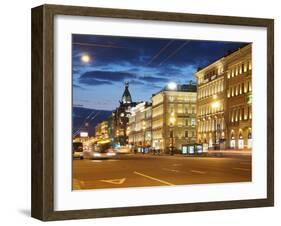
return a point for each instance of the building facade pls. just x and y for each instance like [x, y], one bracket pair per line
[224, 101]
[102, 132]
[139, 126]
[211, 104]
[239, 98]
[174, 117]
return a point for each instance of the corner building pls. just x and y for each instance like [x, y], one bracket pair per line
[174, 117]
[224, 101]
[239, 98]
[120, 117]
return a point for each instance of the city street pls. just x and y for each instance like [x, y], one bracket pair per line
[149, 170]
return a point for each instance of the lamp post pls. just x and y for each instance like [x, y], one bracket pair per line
[117, 134]
[143, 127]
[215, 106]
[172, 121]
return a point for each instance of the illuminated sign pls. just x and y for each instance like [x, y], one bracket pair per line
[232, 143]
[184, 150]
[240, 144]
[191, 149]
[83, 134]
[250, 143]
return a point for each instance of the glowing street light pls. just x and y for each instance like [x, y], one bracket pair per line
[85, 58]
[172, 121]
[215, 105]
[172, 86]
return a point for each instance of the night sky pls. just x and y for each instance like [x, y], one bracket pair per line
[102, 64]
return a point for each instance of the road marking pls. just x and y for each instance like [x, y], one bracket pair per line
[96, 161]
[153, 178]
[177, 164]
[241, 169]
[172, 170]
[115, 181]
[105, 160]
[197, 171]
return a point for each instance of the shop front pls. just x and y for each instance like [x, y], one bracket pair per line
[192, 149]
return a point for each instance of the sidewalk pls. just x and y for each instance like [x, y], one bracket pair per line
[230, 152]
[210, 153]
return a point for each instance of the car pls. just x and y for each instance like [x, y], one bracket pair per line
[78, 155]
[100, 154]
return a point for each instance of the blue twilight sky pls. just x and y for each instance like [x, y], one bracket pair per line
[102, 64]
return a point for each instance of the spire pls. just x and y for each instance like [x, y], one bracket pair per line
[126, 97]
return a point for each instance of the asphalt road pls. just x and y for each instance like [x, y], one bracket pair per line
[148, 170]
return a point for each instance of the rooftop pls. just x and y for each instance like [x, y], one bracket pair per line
[190, 87]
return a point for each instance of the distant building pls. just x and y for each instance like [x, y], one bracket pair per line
[102, 132]
[174, 117]
[120, 117]
[139, 126]
[224, 101]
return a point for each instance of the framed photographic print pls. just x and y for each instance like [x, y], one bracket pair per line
[141, 112]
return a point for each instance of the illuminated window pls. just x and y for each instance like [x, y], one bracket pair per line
[250, 86]
[250, 112]
[236, 90]
[240, 88]
[193, 122]
[240, 69]
[228, 74]
[245, 114]
[250, 65]
[228, 93]
[236, 115]
[245, 87]
[232, 73]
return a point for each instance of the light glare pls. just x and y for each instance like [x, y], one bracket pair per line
[172, 86]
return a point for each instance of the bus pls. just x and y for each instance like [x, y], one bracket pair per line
[100, 150]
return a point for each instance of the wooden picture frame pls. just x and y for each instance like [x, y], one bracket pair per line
[43, 112]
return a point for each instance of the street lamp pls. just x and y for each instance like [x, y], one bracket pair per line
[215, 105]
[143, 127]
[172, 121]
